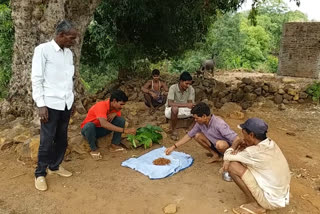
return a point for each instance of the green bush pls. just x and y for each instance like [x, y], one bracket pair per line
[314, 91]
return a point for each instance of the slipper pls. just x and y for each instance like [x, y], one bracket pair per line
[243, 210]
[118, 149]
[96, 156]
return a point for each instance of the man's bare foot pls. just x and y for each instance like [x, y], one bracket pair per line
[249, 209]
[214, 159]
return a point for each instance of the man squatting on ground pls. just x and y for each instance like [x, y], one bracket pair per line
[152, 91]
[259, 168]
[102, 119]
[211, 132]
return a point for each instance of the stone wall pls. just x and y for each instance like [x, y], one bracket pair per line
[244, 91]
[300, 50]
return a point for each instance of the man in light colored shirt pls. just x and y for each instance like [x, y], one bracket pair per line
[259, 168]
[52, 90]
[211, 132]
[180, 101]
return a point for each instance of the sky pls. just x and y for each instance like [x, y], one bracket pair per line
[309, 7]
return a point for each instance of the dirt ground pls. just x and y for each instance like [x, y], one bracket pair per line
[106, 187]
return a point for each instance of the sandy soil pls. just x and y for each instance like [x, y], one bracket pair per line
[106, 187]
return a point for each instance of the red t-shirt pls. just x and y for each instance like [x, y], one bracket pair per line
[100, 109]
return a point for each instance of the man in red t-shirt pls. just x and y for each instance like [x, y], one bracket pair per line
[104, 118]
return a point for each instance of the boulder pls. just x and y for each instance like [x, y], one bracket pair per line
[248, 88]
[246, 105]
[258, 91]
[273, 88]
[231, 107]
[288, 80]
[237, 115]
[282, 107]
[303, 95]
[247, 81]
[265, 88]
[285, 101]
[281, 91]
[278, 98]
[250, 96]
[292, 91]
[287, 97]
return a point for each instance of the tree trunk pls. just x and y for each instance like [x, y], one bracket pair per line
[35, 22]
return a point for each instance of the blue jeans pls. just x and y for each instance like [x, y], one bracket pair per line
[92, 133]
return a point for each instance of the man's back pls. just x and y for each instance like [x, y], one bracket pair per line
[270, 169]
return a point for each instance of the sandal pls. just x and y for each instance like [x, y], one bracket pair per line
[96, 156]
[114, 148]
[245, 210]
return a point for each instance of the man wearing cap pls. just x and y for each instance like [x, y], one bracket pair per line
[259, 168]
[210, 131]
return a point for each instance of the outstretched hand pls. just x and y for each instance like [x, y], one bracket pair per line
[169, 150]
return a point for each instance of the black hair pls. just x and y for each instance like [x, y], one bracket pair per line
[155, 72]
[119, 96]
[201, 109]
[258, 136]
[185, 76]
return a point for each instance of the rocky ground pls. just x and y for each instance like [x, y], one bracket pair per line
[106, 187]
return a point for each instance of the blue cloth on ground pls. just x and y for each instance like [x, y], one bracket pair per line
[144, 163]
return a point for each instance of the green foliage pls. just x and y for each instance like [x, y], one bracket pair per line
[6, 48]
[126, 34]
[237, 43]
[146, 136]
[314, 91]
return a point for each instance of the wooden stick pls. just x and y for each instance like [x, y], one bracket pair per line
[18, 175]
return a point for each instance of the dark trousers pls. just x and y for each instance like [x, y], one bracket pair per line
[53, 141]
[92, 133]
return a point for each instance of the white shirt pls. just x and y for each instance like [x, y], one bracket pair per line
[269, 167]
[52, 76]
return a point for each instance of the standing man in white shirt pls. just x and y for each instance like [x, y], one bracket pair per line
[52, 90]
[259, 168]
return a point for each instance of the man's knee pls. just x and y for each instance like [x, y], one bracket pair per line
[88, 128]
[236, 168]
[222, 145]
[119, 121]
[198, 136]
[174, 110]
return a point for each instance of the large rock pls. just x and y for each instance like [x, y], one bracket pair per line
[292, 91]
[246, 105]
[287, 97]
[248, 88]
[258, 91]
[273, 88]
[237, 115]
[303, 95]
[30, 148]
[247, 81]
[250, 96]
[278, 98]
[231, 107]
